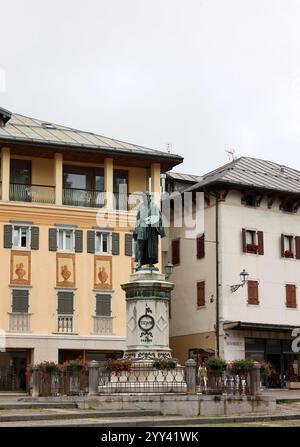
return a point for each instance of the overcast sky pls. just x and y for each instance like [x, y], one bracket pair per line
[203, 75]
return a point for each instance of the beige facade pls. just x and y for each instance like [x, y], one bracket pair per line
[44, 208]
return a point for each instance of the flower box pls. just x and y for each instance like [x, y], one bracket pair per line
[252, 248]
[288, 254]
[293, 385]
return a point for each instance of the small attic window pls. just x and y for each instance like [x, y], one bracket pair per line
[48, 126]
[249, 200]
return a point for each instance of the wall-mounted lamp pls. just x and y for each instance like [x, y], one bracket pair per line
[244, 278]
[168, 269]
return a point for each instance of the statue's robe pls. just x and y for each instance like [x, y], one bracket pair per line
[146, 234]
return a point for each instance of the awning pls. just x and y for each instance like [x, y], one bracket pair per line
[244, 326]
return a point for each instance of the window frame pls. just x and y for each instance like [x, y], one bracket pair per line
[95, 298]
[109, 242]
[64, 250]
[28, 236]
[12, 300]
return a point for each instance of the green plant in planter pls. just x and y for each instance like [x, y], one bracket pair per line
[216, 364]
[74, 365]
[242, 365]
[162, 364]
[265, 368]
[118, 365]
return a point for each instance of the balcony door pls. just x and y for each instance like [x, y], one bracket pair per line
[83, 186]
[20, 180]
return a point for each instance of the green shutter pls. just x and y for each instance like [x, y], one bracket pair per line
[35, 232]
[91, 241]
[20, 301]
[7, 236]
[103, 305]
[115, 242]
[52, 239]
[65, 305]
[78, 241]
[128, 244]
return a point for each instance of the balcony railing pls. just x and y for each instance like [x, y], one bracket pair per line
[103, 325]
[83, 197]
[32, 193]
[65, 324]
[19, 322]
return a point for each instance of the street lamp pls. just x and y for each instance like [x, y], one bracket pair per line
[244, 278]
[168, 269]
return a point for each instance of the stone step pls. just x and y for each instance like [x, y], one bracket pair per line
[19, 405]
[151, 421]
[59, 414]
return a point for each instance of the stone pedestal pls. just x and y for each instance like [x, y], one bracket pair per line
[147, 308]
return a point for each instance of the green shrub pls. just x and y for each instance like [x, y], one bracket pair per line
[216, 364]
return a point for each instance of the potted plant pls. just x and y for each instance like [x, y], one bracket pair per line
[215, 375]
[288, 254]
[118, 365]
[163, 364]
[242, 365]
[216, 364]
[252, 248]
[293, 382]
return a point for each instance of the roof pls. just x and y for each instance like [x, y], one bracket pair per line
[245, 325]
[184, 177]
[253, 173]
[23, 129]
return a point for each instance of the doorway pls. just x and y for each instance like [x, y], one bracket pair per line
[13, 370]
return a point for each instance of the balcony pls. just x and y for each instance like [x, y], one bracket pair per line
[21, 192]
[83, 197]
[103, 325]
[19, 322]
[65, 324]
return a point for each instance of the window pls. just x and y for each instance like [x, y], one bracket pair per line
[287, 246]
[120, 185]
[65, 303]
[200, 247]
[65, 311]
[65, 239]
[252, 292]
[20, 172]
[253, 241]
[176, 251]
[21, 237]
[290, 294]
[200, 294]
[20, 301]
[103, 305]
[83, 186]
[103, 242]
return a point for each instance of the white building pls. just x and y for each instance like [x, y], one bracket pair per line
[251, 222]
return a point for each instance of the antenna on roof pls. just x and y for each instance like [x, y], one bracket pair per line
[169, 147]
[231, 154]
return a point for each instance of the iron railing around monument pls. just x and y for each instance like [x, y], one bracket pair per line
[69, 382]
[225, 382]
[141, 378]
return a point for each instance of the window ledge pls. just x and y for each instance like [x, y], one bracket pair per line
[65, 333]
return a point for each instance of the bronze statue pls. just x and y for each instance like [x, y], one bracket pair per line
[147, 228]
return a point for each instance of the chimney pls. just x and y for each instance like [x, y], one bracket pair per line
[5, 116]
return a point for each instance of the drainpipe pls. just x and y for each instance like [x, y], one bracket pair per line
[217, 278]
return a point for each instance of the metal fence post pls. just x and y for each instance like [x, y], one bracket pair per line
[190, 376]
[93, 377]
[35, 379]
[254, 374]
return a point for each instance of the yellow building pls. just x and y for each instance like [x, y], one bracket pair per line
[65, 240]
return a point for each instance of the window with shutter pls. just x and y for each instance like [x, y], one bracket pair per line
[252, 292]
[103, 242]
[103, 305]
[65, 303]
[200, 247]
[78, 241]
[290, 292]
[115, 243]
[20, 301]
[253, 241]
[21, 237]
[176, 252]
[201, 294]
[7, 236]
[287, 246]
[128, 244]
[52, 239]
[35, 233]
[297, 247]
[66, 240]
